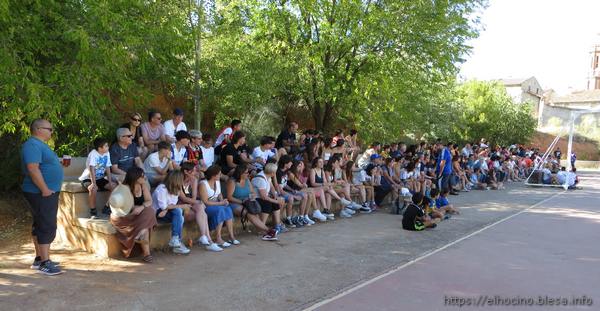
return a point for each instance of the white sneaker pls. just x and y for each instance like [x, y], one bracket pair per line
[344, 213]
[345, 202]
[308, 220]
[349, 210]
[355, 206]
[175, 242]
[213, 247]
[318, 215]
[203, 240]
[181, 249]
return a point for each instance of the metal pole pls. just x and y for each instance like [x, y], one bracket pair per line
[570, 144]
[197, 7]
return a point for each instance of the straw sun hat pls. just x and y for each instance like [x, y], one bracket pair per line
[120, 201]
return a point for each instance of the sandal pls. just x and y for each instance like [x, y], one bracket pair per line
[234, 242]
[148, 259]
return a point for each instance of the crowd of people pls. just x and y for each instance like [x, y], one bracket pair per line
[163, 172]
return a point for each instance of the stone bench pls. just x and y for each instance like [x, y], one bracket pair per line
[97, 236]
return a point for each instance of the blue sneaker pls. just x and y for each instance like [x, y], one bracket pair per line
[48, 268]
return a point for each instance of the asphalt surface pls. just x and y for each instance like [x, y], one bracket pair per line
[305, 267]
[546, 258]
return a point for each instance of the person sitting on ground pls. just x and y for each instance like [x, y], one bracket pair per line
[240, 190]
[414, 217]
[289, 195]
[219, 210]
[132, 214]
[197, 212]
[123, 155]
[153, 131]
[165, 200]
[441, 202]
[478, 180]
[431, 210]
[261, 154]
[96, 175]
[572, 179]
[158, 164]
[195, 155]
[224, 136]
[179, 152]
[270, 202]
[208, 151]
[174, 125]
[561, 176]
[134, 125]
[230, 155]
[297, 181]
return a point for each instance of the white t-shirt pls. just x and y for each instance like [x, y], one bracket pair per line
[208, 155]
[562, 177]
[178, 155]
[265, 155]
[261, 182]
[467, 151]
[359, 176]
[152, 161]
[161, 198]
[170, 128]
[227, 131]
[365, 158]
[99, 161]
[571, 178]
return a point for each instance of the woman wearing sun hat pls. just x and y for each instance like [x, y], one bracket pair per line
[132, 214]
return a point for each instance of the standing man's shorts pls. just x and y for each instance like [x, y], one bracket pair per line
[43, 212]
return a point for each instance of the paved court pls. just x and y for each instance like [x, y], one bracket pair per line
[541, 257]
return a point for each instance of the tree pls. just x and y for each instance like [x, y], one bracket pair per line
[488, 111]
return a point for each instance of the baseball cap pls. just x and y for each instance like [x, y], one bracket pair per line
[375, 156]
[178, 112]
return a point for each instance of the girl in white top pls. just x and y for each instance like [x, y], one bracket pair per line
[165, 200]
[218, 209]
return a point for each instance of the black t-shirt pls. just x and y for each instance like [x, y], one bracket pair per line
[285, 135]
[410, 215]
[282, 178]
[557, 154]
[230, 150]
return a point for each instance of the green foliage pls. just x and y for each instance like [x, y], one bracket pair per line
[486, 110]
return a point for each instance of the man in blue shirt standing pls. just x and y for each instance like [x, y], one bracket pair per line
[443, 168]
[43, 177]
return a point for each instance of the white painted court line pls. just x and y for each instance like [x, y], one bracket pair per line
[381, 276]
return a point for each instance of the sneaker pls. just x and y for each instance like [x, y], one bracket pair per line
[297, 222]
[344, 213]
[319, 216]
[289, 223]
[213, 247]
[181, 249]
[447, 216]
[203, 240]
[174, 242]
[349, 210]
[271, 235]
[364, 210]
[345, 202]
[106, 210]
[329, 214]
[355, 206]
[281, 229]
[225, 245]
[93, 213]
[308, 221]
[48, 268]
[234, 242]
[36, 264]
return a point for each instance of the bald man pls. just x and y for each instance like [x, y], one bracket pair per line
[43, 177]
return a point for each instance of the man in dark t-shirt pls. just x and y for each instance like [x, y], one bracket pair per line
[123, 154]
[233, 151]
[414, 218]
[287, 137]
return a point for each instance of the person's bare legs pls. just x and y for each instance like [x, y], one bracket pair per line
[218, 234]
[198, 214]
[303, 204]
[328, 198]
[289, 208]
[92, 199]
[322, 199]
[229, 225]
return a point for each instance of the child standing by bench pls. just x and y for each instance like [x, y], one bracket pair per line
[96, 176]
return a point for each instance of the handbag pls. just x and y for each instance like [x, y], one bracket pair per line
[251, 207]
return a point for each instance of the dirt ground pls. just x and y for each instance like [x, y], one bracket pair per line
[304, 267]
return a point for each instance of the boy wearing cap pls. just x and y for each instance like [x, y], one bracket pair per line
[174, 125]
